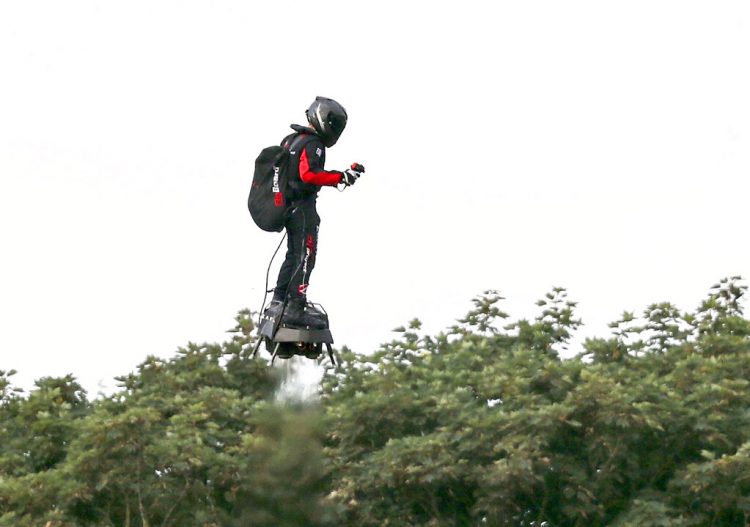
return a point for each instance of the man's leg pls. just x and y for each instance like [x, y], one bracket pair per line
[302, 241]
[307, 248]
[303, 236]
[289, 266]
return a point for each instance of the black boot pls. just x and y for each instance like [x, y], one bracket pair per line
[273, 309]
[300, 314]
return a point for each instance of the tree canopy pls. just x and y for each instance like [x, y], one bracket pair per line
[484, 424]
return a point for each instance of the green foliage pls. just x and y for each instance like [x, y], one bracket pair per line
[483, 425]
[193, 440]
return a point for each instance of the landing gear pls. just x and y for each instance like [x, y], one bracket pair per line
[284, 341]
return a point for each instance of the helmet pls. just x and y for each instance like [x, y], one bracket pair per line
[328, 118]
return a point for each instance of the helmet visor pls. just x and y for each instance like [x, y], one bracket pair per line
[334, 126]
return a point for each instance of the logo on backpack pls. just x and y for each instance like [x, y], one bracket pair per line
[278, 197]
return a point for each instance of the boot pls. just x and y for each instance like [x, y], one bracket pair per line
[299, 314]
[273, 309]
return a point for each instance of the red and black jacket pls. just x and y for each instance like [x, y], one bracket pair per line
[309, 155]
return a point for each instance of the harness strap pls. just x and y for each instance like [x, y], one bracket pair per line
[294, 145]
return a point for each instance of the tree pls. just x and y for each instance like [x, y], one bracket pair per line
[483, 425]
[486, 427]
[191, 440]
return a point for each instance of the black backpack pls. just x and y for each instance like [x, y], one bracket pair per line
[269, 200]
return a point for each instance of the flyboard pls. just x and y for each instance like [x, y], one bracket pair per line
[284, 341]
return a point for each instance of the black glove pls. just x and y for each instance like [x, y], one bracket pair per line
[351, 175]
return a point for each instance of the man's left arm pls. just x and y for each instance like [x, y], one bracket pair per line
[311, 169]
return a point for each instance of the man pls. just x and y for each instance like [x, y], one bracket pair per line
[327, 120]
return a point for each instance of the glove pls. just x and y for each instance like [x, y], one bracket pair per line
[351, 175]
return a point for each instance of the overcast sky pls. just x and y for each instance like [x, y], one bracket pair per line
[599, 146]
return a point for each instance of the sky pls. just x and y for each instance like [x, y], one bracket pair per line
[603, 147]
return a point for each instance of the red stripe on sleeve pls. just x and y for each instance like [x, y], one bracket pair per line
[316, 178]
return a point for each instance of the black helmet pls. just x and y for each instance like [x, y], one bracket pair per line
[328, 118]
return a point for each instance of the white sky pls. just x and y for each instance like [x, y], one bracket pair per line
[599, 146]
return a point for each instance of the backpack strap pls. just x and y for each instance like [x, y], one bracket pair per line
[293, 142]
[293, 145]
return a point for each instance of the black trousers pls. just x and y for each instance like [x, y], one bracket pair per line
[302, 246]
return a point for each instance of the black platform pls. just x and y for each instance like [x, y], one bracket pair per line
[286, 341]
